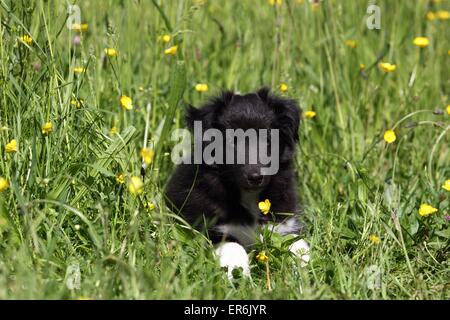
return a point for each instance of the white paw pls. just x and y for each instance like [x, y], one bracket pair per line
[301, 249]
[232, 256]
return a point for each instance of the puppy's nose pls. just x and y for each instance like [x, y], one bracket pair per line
[255, 179]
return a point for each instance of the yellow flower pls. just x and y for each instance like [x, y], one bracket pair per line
[264, 206]
[126, 103]
[149, 205]
[448, 109]
[201, 87]
[362, 66]
[262, 257]
[11, 147]
[446, 185]
[165, 38]
[283, 87]
[310, 114]
[171, 51]
[387, 67]
[79, 70]
[147, 154]
[120, 178]
[443, 15]
[80, 27]
[47, 128]
[430, 16]
[426, 210]
[76, 103]
[275, 2]
[27, 39]
[421, 42]
[136, 186]
[4, 184]
[351, 43]
[111, 52]
[389, 136]
[113, 131]
[374, 239]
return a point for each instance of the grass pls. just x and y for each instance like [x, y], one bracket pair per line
[68, 230]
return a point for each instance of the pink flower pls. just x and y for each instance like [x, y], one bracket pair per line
[76, 40]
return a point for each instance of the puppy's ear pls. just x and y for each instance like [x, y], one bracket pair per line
[288, 121]
[192, 114]
[263, 93]
[207, 113]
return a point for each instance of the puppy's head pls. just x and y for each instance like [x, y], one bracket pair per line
[256, 128]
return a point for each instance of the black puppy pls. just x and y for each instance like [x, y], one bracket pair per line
[221, 197]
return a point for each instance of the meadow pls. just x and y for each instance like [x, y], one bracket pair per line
[87, 107]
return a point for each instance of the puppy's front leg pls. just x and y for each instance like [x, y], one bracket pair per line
[300, 247]
[232, 256]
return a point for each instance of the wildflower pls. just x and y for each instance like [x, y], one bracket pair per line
[421, 42]
[362, 66]
[448, 109]
[150, 206]
[76, 40]
[76, 103]
[83, 27]
[11, 147]
[147, 154]
[47, 128]
[136, 186]
[283, 87]
[201, 87]
[165, 38]
[443, 15]
[111, 52]
[171, 51]
[262, 257]
[79, 70]
[387, 67]
[113, 131]
[27, 39]
[430, 16]
[275, 2]
[389, 136]
[446, 185]
[374, 239]
[426, 210]
[264, 206]
[351, 43]
[126, 103]
[37, 66]
[120, 178]
[4, 184]
[310, 114]
[447, 218]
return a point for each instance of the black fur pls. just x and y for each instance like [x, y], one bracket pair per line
[210, 195]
